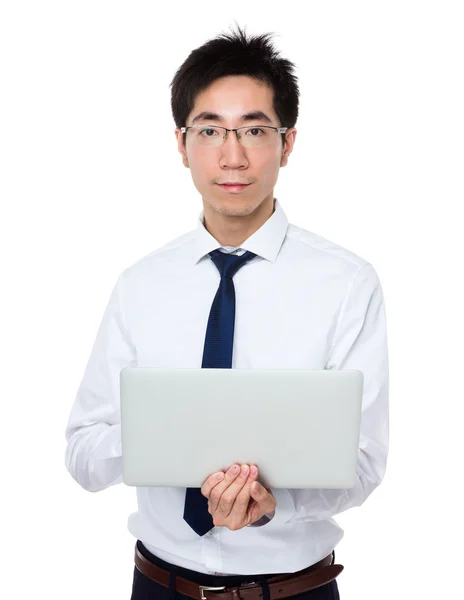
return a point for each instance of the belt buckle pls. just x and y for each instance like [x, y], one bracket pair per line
[207, 587]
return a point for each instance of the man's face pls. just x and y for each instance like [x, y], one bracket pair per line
[231, 98]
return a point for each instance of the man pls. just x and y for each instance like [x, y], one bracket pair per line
[292, 300]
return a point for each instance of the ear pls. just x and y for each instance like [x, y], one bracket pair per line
[288, 146]
[181, 147]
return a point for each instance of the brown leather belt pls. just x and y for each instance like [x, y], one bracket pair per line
[282, 585]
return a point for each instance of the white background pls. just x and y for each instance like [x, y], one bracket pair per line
[91, 181]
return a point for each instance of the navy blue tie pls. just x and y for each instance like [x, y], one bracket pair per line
[217, 354]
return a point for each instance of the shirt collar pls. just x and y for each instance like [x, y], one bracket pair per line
[265, 242]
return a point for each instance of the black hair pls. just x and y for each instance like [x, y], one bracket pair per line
[236, 54]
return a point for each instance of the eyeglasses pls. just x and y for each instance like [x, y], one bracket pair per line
[251, 136]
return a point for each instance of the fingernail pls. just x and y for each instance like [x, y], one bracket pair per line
[234, 469]
[253, 470]
[244, 470]
[220, 476]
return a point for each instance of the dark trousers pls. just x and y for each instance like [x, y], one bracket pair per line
[144, 588]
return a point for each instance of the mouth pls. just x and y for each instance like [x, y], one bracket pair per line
[233, 187]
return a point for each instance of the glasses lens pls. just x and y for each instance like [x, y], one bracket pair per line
[206, 135]
[254, 136]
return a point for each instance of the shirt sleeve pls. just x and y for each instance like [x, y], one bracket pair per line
[93, 453]
[360, 342]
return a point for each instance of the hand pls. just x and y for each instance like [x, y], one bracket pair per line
[236, 499]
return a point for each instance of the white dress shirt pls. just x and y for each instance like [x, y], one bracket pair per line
[302, 303]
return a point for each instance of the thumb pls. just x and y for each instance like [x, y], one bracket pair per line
[257, 491]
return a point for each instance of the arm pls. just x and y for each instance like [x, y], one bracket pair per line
[93, 453]
[360, 342]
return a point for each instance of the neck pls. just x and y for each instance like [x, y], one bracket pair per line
[233, 230]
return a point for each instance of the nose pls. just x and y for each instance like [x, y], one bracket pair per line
[233, 154]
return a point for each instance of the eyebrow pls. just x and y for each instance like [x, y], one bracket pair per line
[256, 115]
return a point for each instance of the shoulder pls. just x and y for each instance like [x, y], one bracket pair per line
[311, 253]
[160, 260]
[310, 244]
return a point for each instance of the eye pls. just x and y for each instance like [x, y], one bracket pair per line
[255, 131]
[210, 130]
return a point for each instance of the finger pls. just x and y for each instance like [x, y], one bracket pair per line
[244, 502]
[263, 497]
[217, 491]
[238, 517]
[255, 511]
[253, 472]
[229, 495]
[254, 478]
[211, 482]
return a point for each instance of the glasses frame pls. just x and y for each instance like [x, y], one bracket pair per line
[237, 129]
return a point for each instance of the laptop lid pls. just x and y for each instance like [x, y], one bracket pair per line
[300, 427]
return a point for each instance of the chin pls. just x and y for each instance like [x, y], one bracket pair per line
[233, 208]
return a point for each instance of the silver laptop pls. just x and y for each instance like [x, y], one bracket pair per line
[300, 427]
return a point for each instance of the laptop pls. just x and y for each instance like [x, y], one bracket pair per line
[300, 427]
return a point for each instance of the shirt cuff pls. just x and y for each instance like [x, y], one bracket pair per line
[264, 520]
[284, 510]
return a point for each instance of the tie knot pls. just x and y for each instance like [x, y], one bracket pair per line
[229, 264]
